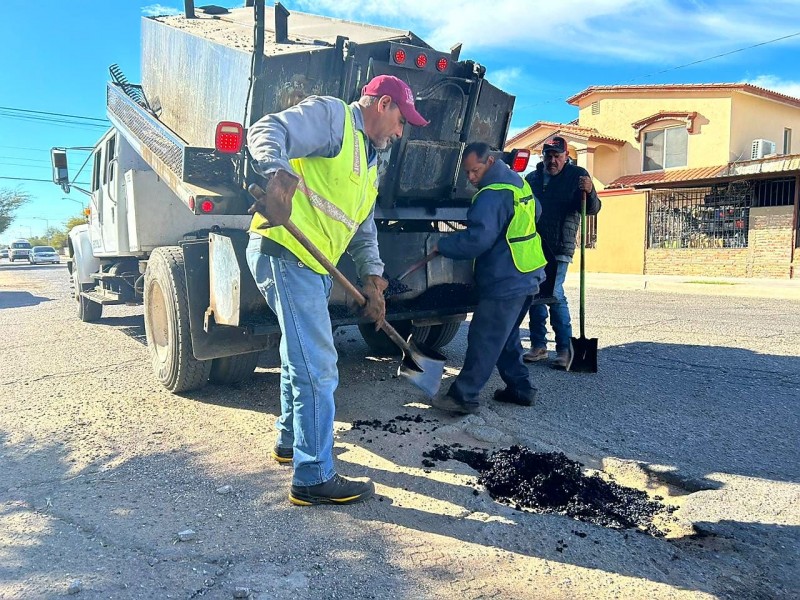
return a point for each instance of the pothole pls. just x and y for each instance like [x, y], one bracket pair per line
[551, 483]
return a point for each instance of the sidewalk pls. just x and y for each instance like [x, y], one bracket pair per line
[788, 289]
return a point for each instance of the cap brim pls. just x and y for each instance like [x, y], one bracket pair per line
[553, 149]
[411, 115]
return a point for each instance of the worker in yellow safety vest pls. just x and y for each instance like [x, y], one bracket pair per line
[321, 156]
[501, 238]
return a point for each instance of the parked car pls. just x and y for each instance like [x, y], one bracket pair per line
[3, 252]
[43, 254]
[18, 249]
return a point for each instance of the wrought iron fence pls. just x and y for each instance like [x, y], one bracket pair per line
[711, 217]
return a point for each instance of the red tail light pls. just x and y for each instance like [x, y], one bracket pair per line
[421, 61]
[441, 64]
[206, 206]
[229, 137]
[400, 56]
[520, 160]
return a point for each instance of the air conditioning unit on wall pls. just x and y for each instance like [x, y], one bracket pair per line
[761, 148]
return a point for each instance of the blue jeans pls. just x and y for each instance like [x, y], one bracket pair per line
[299, 298]
[493, 340]
[559, 316]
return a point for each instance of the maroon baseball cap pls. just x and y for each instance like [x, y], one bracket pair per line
[555, 144]
[399, 92]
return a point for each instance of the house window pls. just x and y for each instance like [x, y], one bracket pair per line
[596, 107]
[665, 148]
[787, 141]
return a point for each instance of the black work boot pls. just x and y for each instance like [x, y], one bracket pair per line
[282, 455]
[447, 403]
[510, 396]
[337, 490]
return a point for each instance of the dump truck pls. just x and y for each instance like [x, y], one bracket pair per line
[167, 223]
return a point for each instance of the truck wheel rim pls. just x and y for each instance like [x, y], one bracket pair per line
[159, 322]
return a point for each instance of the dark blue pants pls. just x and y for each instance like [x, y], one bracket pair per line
[493, 340]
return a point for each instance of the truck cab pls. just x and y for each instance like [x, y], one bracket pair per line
[19, 250]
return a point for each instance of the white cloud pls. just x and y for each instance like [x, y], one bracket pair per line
[776, 84]
[659, 31]
[158, 10]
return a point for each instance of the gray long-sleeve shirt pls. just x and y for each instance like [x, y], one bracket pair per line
[315, 127]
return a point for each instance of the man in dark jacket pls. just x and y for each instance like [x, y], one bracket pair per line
[558, 186]
[508, 269]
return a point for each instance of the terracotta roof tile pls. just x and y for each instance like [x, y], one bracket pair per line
[669, 176]
[588, 133]
[687, 87]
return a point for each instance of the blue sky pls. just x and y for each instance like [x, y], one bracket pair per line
[56, 55]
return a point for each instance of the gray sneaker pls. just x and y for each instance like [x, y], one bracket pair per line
[337, 490]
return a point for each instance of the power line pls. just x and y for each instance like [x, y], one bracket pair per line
[702, 60]
[696, 62]
[39, 112]
[44, 180]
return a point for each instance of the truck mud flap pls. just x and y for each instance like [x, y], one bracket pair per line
[209, 340]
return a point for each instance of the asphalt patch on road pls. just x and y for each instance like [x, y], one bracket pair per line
[551, 483]
[542, 482]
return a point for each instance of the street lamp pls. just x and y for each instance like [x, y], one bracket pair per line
[47, 227]
[73, 200]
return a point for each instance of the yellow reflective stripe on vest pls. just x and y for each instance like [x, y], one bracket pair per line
[523, 241]
[326, 206]
[333, 197]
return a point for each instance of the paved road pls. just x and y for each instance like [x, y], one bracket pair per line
[696, 401]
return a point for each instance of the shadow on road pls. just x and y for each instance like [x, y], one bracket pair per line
[15, 299]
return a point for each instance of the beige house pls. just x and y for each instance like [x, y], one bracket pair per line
[695, 179]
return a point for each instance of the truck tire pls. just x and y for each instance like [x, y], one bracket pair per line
[441, 335]
[166, 323]
[433, 336]
[88, 311]
[233, 369]
[379, 342]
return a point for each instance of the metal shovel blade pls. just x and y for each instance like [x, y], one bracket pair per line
[423, 367]
[583, 355]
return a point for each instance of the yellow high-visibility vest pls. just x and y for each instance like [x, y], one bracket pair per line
[523, 241]
[334, 196]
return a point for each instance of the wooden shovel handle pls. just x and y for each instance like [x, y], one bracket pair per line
[284, 219]
[417, 265]
[344, 282]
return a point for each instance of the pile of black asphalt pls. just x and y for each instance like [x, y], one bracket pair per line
[550, 482]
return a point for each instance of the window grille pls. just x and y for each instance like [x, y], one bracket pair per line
[711, 217]
[596, 107]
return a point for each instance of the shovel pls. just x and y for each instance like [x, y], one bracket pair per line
[583, 350]
[422, 368]
[396, 287]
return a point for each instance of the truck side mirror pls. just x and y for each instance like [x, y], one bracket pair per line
[58, 158]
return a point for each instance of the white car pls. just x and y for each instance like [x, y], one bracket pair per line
[43, 254]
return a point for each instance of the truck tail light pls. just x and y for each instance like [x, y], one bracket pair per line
[399, 56]
[229, 137]
[421, 61]
[519, 160]
[441, 64]
[206, 206]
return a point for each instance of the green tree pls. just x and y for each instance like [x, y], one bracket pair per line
[57, 236]
[10, 201]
